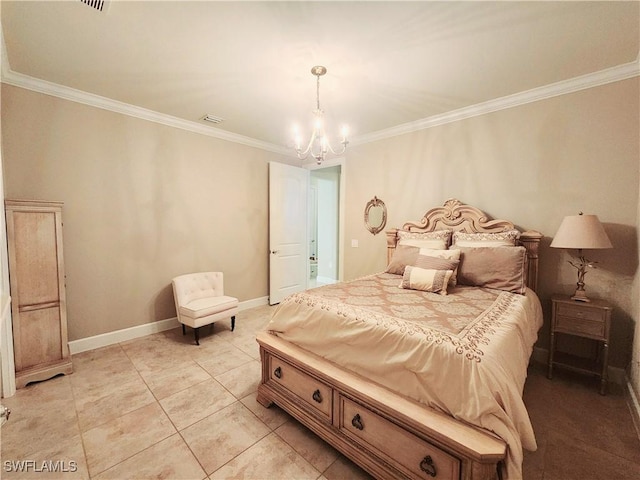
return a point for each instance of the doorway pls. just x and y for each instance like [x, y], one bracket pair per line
[324, 225]
[291, 221]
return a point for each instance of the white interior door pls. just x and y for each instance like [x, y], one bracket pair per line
[288, 230]
[7, 362]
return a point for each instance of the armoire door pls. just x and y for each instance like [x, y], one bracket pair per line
[36, 277]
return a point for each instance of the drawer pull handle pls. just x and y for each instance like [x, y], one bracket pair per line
[357, 422]
[317, 396]
[427, 466]
[277, 372]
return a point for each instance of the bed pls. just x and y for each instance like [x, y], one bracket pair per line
[417, 372]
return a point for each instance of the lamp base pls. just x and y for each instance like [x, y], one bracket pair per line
[580, 296]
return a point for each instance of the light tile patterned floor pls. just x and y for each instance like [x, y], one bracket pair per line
[161, 407]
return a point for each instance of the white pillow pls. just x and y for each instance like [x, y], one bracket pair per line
[485, 239]
[439, 239]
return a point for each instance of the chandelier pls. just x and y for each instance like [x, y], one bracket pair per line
[318, 146]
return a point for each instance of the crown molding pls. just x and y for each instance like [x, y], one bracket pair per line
[30, 83]
[10, 77]
[602, 77]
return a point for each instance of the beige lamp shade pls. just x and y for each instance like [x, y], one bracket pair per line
[581, 232]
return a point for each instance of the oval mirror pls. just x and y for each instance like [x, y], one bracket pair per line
[375, 215]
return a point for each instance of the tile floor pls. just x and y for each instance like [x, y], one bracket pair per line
[161, 407]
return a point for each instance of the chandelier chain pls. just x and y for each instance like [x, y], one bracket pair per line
[318, 92]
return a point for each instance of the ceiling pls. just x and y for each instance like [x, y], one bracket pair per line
[389, 63]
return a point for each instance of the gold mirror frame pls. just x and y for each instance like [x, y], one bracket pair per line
[375, 203]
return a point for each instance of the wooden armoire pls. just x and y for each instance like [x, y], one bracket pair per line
[37, 281]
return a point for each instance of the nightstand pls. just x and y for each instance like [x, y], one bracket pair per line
[582, 319]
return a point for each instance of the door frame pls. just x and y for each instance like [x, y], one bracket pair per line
[339, 161]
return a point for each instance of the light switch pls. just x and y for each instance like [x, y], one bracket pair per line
[354, 243]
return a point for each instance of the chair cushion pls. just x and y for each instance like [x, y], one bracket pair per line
[203, 307]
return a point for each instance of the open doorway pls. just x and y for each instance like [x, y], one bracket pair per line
[324, 225]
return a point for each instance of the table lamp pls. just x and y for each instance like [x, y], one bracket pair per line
[580, 232]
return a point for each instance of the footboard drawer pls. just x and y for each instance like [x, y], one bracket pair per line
[310, 390]
[415, 456]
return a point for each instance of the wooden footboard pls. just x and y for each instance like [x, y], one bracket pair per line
[388, 435]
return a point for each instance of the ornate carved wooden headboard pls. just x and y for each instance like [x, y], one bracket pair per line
[456, 216]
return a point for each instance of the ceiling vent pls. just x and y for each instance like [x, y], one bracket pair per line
[100, 5]
[212, 119]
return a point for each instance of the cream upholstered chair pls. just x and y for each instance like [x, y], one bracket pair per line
[200, 300]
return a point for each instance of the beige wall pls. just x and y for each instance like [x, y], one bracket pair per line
[531, 164]
[143, 203]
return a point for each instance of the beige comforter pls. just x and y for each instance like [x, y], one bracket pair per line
[465, 353]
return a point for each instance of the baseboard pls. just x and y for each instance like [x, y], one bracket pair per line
[540, 355]
[617, 375]
[110, 338]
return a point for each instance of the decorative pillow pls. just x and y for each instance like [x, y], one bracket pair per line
[427, 280]
[500, 239]
[402, 256]
[452, 255]
[503, 268]
[440, 239]
[435, 263]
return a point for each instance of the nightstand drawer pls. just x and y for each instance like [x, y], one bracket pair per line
[580, 312]
[580, 326]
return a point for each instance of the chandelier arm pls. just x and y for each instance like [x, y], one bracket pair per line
[339, 151]
[303, 154]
